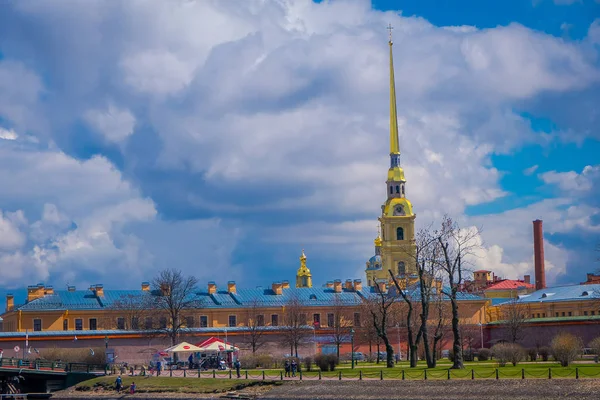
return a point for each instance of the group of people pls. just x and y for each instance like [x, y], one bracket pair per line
[290, 368]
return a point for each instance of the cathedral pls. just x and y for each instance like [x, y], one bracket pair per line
[395, 244]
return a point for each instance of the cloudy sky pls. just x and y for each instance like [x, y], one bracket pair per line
[221, 138]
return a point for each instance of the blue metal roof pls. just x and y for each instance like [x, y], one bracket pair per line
[563, 293]
[316, 296]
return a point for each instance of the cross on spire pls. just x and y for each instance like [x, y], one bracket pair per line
[389, 28]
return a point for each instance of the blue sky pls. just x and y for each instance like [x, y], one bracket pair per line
[222, 138]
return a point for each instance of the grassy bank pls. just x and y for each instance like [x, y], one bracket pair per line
[169, 385]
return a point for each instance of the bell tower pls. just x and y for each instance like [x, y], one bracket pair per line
[303, 276]
[397, 219]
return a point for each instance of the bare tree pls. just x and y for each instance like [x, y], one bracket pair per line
[366, 334]
[412, 339]
[342, 324]
[380, 306]
[514, 313]
[255, 322]
[176, 297]
[295, 330]
[128, 312]
[457, 245]
[439, 325]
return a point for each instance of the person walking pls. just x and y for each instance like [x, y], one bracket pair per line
[294, 367]
[119, 384]
[132, 388]
[238, 365]
[286, 367]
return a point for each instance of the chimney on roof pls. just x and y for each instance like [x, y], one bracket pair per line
[231, 287]
[527, 279]
[538, 254]
[357, 285]
[329, 285]
[285, 284]
[49, 290]
[10, 302]
[277, 288]
[337, 285]
[99, 290]
[35, 292]
[212, 288]
[382, 286]
[146, 286]
[71, 288]
[349, 284]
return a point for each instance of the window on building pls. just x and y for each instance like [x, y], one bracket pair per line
[593, 312]
[391, 190]
[304, 281]
[120, 323]
[543, 315]
[203, 321]
[330, 320]
[148, 323]
[162, 322]
[399, 233]
[401, 268]
[356, 319]
[563, 314]
[556, 314]
[232, 320]
[397, 189]
[189, 322]
[65, 324]
[260, 320]
[402, 189]
[585, 313]
[317, 319]
[302, 319]
[37, 325]
[78, 324]
[93, 324]
[274, 320]
[570, 314]
[538, 315]
[532, 315]
[135, 323]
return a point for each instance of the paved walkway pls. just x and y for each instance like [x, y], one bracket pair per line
[438, 390]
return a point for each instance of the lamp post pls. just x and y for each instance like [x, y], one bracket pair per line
[481, 332]
[352, 344]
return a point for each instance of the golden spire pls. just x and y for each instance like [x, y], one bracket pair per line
[394, 142]
[303, 276]
[303, 258]
[378, 241]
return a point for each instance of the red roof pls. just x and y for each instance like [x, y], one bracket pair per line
[482, 270]
[509, 284]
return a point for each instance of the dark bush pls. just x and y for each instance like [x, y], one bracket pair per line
[321, 361]
[484, 354]
[332, 361]
[308, 363]
[544, 353]
[533, 354]
[468, 355]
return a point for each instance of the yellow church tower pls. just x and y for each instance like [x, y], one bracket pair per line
[303, 276]
[395, 247]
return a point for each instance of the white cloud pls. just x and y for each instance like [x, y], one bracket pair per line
[287, 99]
[531, 170]
[573, 181]
[8, 134]
[115, 124]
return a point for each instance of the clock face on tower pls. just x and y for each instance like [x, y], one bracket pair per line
[399, 210]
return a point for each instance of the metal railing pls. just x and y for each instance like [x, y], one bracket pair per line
[47, 365]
